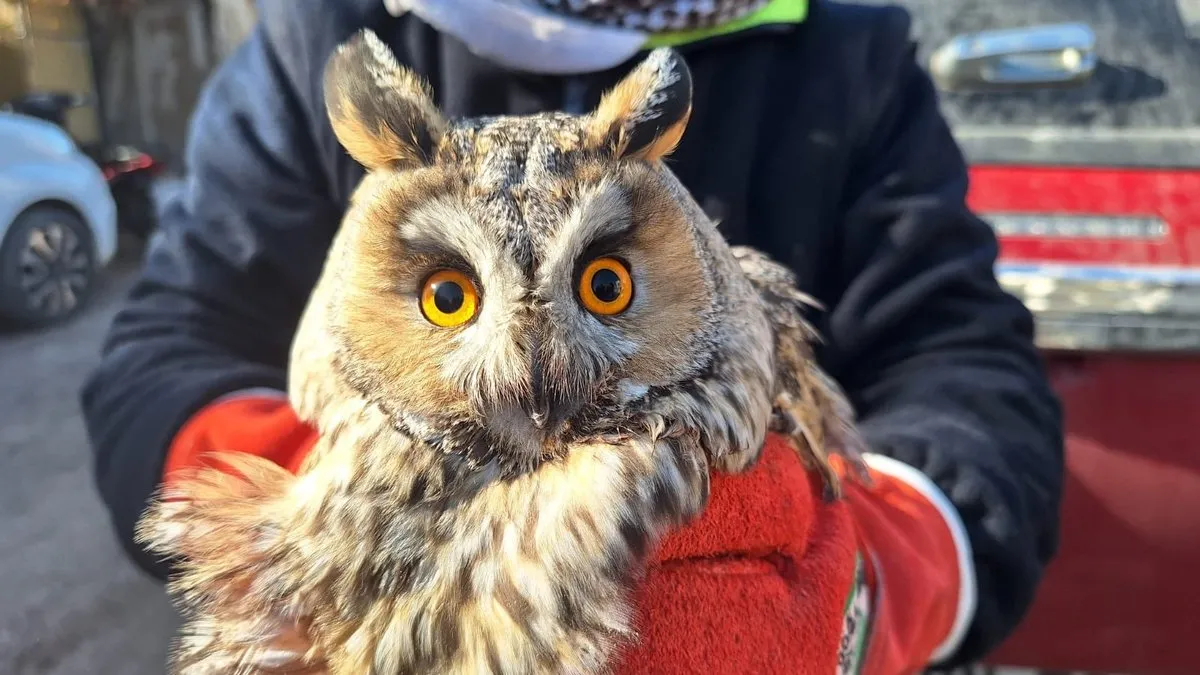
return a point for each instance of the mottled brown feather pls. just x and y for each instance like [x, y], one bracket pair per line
[810, 407]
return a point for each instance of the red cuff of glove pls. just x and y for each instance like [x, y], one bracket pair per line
[922, 582]
[257, 422]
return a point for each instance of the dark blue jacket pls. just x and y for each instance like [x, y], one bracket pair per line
[821, 144]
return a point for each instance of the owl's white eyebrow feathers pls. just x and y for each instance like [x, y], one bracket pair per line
[445, 224]
[442, 222]
[600, 213]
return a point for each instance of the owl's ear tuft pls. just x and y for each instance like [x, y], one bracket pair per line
[644, 116]
[381, 112]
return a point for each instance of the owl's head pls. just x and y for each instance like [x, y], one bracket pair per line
[503, 286]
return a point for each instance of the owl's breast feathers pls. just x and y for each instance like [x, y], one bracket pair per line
[396, 558]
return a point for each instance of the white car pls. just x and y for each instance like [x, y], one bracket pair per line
[58, 222]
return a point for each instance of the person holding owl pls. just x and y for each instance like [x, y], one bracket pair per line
[813, 135]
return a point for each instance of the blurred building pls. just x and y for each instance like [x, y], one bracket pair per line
[142, 62]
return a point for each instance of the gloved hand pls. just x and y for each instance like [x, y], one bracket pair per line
[257, 422]
[770, 579]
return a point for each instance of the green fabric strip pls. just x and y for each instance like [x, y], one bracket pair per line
[774, 12]
[854, 582]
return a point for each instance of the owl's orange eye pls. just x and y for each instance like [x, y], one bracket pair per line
[605, 287]
[449, 299]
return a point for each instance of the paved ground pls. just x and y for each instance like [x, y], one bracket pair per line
[70, 604]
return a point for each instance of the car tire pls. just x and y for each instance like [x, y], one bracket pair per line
[47, 267]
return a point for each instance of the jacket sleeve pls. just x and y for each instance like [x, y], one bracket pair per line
[938, 359]
[226, 276]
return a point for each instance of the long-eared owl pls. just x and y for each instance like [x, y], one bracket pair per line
[526, 352]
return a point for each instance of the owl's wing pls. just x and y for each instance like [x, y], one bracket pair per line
[809, 406]
[216, 524]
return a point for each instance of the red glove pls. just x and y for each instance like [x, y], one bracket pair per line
[773, 580]
[923, 583]
[258, 422]
[770, 580]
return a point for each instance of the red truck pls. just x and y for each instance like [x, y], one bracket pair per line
[1081, 122]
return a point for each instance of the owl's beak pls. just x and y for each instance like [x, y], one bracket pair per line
[538, 408]
[547, 404]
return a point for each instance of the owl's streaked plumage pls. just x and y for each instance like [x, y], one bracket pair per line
[494, 466]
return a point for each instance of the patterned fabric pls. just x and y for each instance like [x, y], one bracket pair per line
[856, 622]
[570, 37]
[655, 16]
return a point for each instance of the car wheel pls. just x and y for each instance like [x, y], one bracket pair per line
[47, 267]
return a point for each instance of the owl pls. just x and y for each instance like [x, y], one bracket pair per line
[526, 352]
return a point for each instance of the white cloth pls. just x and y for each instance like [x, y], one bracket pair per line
[525, 37]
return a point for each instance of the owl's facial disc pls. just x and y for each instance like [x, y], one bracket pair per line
[520, 298]
[508, 282]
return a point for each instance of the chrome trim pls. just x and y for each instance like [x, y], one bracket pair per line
[1100, 308]
[1161, 148]
[1076, 226]
[1016, 58]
